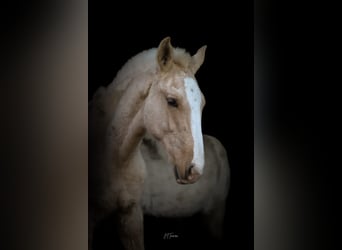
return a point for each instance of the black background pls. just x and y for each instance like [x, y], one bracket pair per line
[226, 80]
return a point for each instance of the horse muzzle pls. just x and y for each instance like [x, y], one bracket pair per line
[189, 176]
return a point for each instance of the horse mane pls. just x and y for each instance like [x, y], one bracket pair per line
[144, 62]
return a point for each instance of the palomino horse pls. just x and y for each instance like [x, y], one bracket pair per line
[156, 93]
[163, 197]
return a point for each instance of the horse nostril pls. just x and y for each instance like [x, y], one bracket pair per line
[189, 172]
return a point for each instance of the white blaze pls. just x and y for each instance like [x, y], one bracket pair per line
[194, 98]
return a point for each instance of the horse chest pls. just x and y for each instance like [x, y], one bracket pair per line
[163, 196]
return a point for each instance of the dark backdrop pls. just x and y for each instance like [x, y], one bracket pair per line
[226, 79]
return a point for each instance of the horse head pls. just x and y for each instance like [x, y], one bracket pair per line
[173, 110]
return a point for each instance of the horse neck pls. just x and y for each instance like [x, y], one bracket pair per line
[127, 126]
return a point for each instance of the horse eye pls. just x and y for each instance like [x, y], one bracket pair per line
[172, 102]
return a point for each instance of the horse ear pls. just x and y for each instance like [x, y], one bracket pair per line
[165, 54]
[198, 59]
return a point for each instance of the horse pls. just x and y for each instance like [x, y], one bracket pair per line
[154, 93]
[163, 197]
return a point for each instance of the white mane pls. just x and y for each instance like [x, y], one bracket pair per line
[146, 62]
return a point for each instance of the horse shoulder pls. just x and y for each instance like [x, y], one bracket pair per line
[217, 159]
